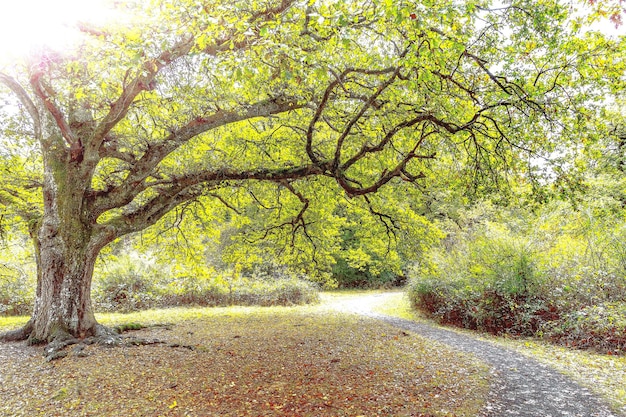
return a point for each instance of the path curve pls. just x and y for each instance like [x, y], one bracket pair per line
[521, 386]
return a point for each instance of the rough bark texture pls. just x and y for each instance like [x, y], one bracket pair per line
[66, 254]
[63, 302]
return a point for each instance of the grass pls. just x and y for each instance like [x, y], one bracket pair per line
[603, 374]
[247, 361]
[12, 322]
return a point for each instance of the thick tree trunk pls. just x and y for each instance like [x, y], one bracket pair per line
[66, 249]
[63, 299]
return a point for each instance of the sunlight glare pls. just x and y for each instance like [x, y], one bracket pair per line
[28, 25]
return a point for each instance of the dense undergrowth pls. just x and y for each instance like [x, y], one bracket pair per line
[563, 279]
[135, 282]
[139, 286]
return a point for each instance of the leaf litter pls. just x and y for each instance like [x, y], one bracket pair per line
[251, 362]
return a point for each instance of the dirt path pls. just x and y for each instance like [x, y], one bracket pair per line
[521, 387]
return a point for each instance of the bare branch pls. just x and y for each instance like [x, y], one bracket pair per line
[298, 221]
[41, 90]
[368, 104]
[26, 101]
[386, 220]
[481, 64]
[326, 97]
[224, 202]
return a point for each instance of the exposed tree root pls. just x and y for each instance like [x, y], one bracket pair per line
[19, 334]
[103, 336]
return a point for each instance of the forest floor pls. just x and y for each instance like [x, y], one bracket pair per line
[294, 361]
[340, 358]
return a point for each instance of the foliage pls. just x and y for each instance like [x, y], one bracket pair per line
[601, 327]
[17, 283]
[350, 242]
[551, 274]
[250, 362]
[135, 282]
[16, 291]
[486, 283]
[614, 10]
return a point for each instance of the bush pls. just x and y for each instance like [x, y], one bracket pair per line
[17, 290]
[348, 276]
[488, 283]
[134, 283]
[563, 283]
[599, 327]
[125, 284]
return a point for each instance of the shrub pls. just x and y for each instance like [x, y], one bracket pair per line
[349, 276]
[600, 327]
[561, 281]
[125, 283]
[17, 290]
[269, 284]
[133, 283]
[487, 283]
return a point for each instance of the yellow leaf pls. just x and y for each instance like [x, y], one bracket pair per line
[173, 405]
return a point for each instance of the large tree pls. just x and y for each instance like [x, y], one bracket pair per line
[203, 98]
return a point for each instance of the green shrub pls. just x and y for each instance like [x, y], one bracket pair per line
[563, 280]
[599, 327]
[135, 283]
[269, 284]
[126, 283]
[488, 283]
[17, 290]
[349, 276]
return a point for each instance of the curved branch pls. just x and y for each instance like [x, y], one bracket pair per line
[326, 97]
[144, 167]
[26, 101]
[359, 115]
[141, 82]
[188, 187]
[40, 89]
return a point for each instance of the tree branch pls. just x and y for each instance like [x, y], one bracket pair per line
[141, 82]
[145, 166]
[26, 101]
[187, 187]
[40, 88]
[359, 115]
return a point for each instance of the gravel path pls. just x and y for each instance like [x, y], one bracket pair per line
[521, 386]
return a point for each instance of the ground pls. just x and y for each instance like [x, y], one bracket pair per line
[303, 361]
[340, 358]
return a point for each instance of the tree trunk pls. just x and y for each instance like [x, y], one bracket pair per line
[63, 299]
[66, 248]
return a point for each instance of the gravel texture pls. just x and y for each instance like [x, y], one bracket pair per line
[521, 386]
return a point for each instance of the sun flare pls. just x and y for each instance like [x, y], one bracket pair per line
[28, 25]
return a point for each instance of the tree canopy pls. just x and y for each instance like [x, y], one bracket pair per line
[270, 108]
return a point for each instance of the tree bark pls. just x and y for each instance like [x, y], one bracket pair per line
[66, 245]
[63, 301]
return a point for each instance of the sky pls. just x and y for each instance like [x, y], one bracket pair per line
[28, 24]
